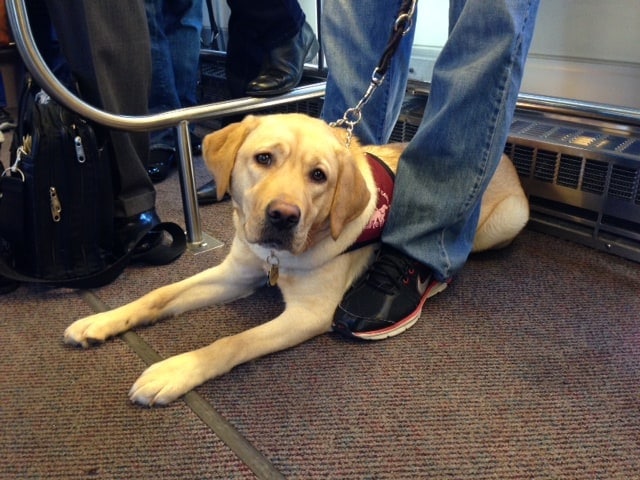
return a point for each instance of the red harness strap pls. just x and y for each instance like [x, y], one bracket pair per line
[384, 179]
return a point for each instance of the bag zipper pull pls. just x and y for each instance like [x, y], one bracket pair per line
[79, 149]
[56, 207]
[77, 141]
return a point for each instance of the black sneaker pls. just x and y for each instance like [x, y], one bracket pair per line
[387, 299]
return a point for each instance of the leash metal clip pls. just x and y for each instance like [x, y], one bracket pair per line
[405, 19]
[352, 116]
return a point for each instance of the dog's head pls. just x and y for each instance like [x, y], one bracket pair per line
[291, 178]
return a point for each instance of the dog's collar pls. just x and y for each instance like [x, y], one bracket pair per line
[384, 179]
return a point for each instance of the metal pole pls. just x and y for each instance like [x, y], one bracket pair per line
[178, 118]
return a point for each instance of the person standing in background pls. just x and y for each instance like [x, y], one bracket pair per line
[6, 120]
[269, 43]
[175, 28]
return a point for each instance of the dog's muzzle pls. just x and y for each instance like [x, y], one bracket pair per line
[282, 215]
[282, 218]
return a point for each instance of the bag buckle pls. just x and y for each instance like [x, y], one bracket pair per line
[13, 169]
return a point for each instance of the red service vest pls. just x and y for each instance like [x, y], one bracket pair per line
[384, 179]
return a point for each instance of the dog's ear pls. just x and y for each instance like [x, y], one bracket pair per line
[219, 150]
[351, 196]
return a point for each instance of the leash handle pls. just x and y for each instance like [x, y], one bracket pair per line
[402, 25]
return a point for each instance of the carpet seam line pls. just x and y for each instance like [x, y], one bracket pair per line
[221, 427]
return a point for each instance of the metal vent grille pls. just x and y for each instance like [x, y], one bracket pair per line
[403, 131]
[623, 182]
[569, 171]
[545, 165]
[583, 183]
[522, 157]
[595, 176]
[311, 107]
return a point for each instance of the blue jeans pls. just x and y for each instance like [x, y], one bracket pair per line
[3, 95]
[174, 28]
[447, 165]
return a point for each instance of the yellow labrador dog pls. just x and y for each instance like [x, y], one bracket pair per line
[300, 199]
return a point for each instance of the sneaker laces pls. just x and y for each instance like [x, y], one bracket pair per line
[388, 271]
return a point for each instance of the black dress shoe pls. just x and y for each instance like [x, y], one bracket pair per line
[160, 162]
[207, 194]
[135, 232]
[282, 70]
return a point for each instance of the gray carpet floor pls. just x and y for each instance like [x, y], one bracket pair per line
[528, 366]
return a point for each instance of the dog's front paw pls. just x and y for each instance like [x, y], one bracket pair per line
[87, 331]
[165, 381]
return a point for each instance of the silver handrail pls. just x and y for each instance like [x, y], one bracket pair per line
[578, 108]
[569, 107]
[178, 118]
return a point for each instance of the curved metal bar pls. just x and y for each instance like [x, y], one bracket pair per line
[178, 118]
[570, 107]
[36, 65]
[562, 106]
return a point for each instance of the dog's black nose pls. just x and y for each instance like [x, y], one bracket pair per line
[283, 215]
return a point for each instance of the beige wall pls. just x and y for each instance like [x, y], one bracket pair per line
[582, 49]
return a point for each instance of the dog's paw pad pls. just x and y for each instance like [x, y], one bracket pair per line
[165, 381]
[85, 332]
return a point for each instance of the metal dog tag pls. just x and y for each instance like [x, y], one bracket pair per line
[274, 273]
[274, 270]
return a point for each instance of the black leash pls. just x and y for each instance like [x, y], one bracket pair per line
[401, 26]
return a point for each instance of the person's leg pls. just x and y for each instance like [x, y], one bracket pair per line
[269, 42]
[255, 28]
[448, 164]
[106, 43]
[3, 95]
[163, 95]
[174, 28]
[47, 41]
[269, 22]
[446, 167]
[184, 43]
[354, 36]
[6, 121]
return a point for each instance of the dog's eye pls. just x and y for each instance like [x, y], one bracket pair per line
[318, 176]
[264, 159]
